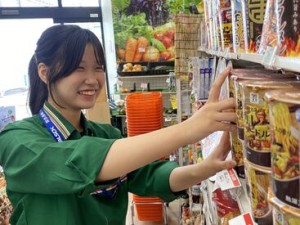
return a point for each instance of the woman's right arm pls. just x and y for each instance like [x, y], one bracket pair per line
[131, 153]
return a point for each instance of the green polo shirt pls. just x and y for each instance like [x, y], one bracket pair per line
[51, 183]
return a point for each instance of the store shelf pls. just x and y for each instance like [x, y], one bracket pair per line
[163, 92]
[146, 76]
[285, 63]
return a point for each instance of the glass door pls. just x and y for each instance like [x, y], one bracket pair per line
[20, 29]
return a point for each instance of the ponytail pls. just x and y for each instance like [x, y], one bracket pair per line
[38, 92]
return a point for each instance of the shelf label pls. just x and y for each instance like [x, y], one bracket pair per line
[120, 83]
[144, 85]
[227, 179]
[245, 219]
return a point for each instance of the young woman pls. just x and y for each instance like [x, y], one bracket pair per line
[62, 169]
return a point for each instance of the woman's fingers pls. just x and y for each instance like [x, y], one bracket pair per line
[225, 104]
[216, 87]
[226, 126]
[226, 117]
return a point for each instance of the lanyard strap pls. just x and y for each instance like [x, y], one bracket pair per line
[51, 126]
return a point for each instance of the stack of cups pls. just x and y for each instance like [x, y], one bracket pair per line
[144, 113]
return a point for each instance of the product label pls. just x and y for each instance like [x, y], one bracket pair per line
[245, 219]
[227, 179]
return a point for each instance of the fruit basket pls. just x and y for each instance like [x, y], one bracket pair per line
[147, 68]
[128, 68]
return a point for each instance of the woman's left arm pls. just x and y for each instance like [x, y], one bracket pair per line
[184, 177]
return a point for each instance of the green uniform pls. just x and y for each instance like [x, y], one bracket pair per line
[52, 183]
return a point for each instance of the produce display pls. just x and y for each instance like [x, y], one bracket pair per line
[144, 30]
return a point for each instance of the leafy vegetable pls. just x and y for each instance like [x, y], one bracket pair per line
[181, 6]
[131, 26]
[120, 4]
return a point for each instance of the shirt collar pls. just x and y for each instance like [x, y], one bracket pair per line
[63, 125]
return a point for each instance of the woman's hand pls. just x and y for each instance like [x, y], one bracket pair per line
[216, 162]
[184, 177]
[215, 115]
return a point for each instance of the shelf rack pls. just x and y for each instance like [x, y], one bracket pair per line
[284, 63]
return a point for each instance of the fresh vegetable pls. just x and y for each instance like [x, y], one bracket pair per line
[165, 55]
[182, 6]
[121, 54]
[158, 44]
[151, 54]
[131, 46]
[131, 26]
[142, 44]
[120, 4]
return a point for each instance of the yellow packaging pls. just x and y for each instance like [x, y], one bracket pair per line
[284, 108]
[282, 213]
[256, 120]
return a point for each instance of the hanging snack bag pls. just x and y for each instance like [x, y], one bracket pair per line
[237, 26]
[284, 108]
[269, 33]
[253, 23]
[289, 27]
[226, 205]
[256, 118]
[226, 25]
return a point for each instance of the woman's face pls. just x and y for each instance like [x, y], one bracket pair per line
[82, 87]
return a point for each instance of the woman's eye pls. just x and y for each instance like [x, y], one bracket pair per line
[99, 69]
[80, 68]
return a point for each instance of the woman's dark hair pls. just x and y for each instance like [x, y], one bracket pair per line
[60, 48]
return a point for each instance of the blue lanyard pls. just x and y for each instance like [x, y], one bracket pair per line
[51, 126]
[108, 192]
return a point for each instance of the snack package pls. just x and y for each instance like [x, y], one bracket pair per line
[225, 18]
[254, 12]
[270, 32]
[237, 26]
[226, 205]
[289, 27]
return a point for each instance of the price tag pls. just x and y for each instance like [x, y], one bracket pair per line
[120, 83]
[269, 56]
[144, 85]
[141, 50]
[245, 219]
[227, 179]
[254, 98]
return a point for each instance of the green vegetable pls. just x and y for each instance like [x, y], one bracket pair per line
[131, 26]
[180, 6]
[158, 44]
[120, 4]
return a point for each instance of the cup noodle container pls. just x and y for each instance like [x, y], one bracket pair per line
[256, 117]
[284, 108]
[283, 214]
[259, 181]
[238, 76]
[236, 144]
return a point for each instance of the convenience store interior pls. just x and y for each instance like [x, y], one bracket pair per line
[207, 40]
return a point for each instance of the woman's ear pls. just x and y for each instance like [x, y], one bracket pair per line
[43, 72]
